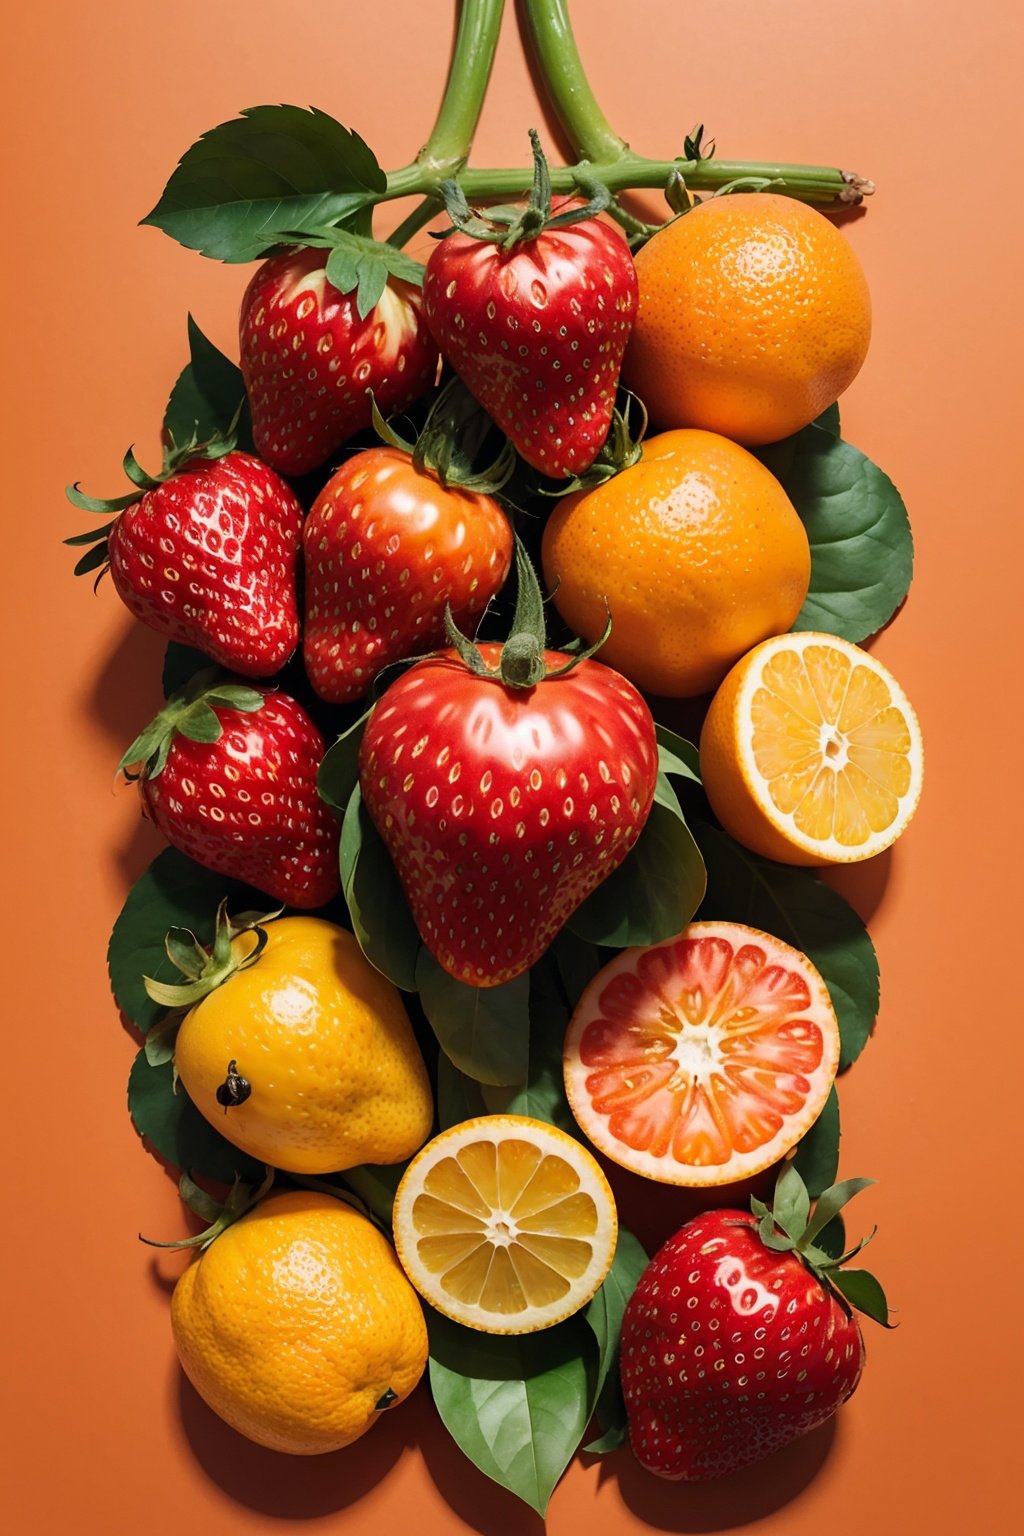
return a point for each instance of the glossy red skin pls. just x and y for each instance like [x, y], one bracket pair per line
[483, 795]
[729, 1351]
[309, 361]
[210, 558]
[387, 546]
[264, 766]
[538, 333]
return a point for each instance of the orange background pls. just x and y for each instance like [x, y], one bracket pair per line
[99, 1432]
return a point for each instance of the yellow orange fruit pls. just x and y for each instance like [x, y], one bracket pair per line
[754, 315]
[704, 1059]
[505, 1224]
[695, 550]
[297, 1325]
[811, 752]
[324, 1046]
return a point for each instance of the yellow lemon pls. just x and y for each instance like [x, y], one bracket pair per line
[297, 1325]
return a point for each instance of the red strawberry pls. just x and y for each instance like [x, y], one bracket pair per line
[207, 554]
[396, 536]
[739, 1336]
[535, 319]
[310, 363]
[507, 782]
[228, 774]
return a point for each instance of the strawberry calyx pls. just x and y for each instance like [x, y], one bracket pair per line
[450, 440]
[621, 449]
[521, 663]
[513, 224]
[220, 1215]
[789, 1225]
[205, 970]
[191, 713]
[176, 457]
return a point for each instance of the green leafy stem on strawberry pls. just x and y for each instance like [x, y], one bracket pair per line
[189, 713]
[450, 441]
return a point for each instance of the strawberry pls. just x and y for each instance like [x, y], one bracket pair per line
[533, 310]
[740, 1336]
[206, 553]
[398, 534]
[228, 774]
[506, 782]
[310, 362]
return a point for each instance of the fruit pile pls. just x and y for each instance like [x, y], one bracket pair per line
[452, 923]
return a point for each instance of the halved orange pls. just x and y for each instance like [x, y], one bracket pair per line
[505, 1224]
[703, 1059]
[811, 752]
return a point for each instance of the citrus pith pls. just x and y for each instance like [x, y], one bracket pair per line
[505, 1224]
[704, 1059]
[811, 752]
[297, 1325]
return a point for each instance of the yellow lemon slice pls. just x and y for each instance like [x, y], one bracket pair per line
[811, 752]
[505, 1224]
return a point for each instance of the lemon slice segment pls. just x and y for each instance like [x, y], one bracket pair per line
[505, 1224]
[811, 752]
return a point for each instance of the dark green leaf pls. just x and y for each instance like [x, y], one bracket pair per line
[832, 1238]
[375, 1185]
[205, 400]
[542, 1095]
[576, 963]
[656, 890]
[862, 1291]
[173, 893]
[516, 1405]
[610, 1440]
[273, 172]
[176, 1129]
[817, 1151]
[458, 1097]
[828, 421]
[380, 915]
[160, 1040]
[801, 910]
[603, 1314]
[862, 552]
[677, 755]
[181, 662]
[832, 1201]
[339, 770]
[484, 1030]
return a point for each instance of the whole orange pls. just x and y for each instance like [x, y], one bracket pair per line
[754, 316]
[697, 553]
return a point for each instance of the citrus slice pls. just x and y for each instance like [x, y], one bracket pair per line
[505, 1224]
[811, 752]
[704, 1059]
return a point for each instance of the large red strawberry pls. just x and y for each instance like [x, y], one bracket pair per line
[399, 534]
[206, 553]
[228, 774]
[507, 782]
[533, 309]
[740, 1336]
[310, 362]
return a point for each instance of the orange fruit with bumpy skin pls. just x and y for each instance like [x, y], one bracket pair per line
[697, 553]
[811, 752]
[754, 316]
[297, 1325]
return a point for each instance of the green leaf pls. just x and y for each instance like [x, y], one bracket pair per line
[176, 1129]
[381, 919]
[458, 1097]
[339, 770]
[205, 400]
[862, 1291]
[361, 265]
[655, 891]
[832, 1238]
[862, 551]
[828, 421]
[181, 663]
[273, 172]
[677, 755]
[542, 1095]
[603, 1314]
[800, 909]
[516, 1405]
[792, 1204]
[173, 893]
[485, 1031]
[817, 1151]
[832, 1201]
[610, 1440]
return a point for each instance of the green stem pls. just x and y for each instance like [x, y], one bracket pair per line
[420, 216]
[444, 153]
[590, 133]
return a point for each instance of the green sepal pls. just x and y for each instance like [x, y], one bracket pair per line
[241, 1199]
[621, 449]
[361, 265]
[161, 1038]
[217, 965]
[513, 224]
[189, 713]
[449, 440]
[862, 1291]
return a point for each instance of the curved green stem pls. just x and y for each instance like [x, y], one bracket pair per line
[445, 151]
[420, 216]
[590, 133]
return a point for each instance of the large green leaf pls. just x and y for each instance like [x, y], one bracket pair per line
[862, 551]
[166, 1116]
[485, 1031]
[339, 771]
[207, 396]
[516, 1405]
[381, 919]
[274, 171]
[604, 1312]
[817, 1152]
[542, 1094]
[459, 1097]
[655, 890]
[173, 893]
[799, 908]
